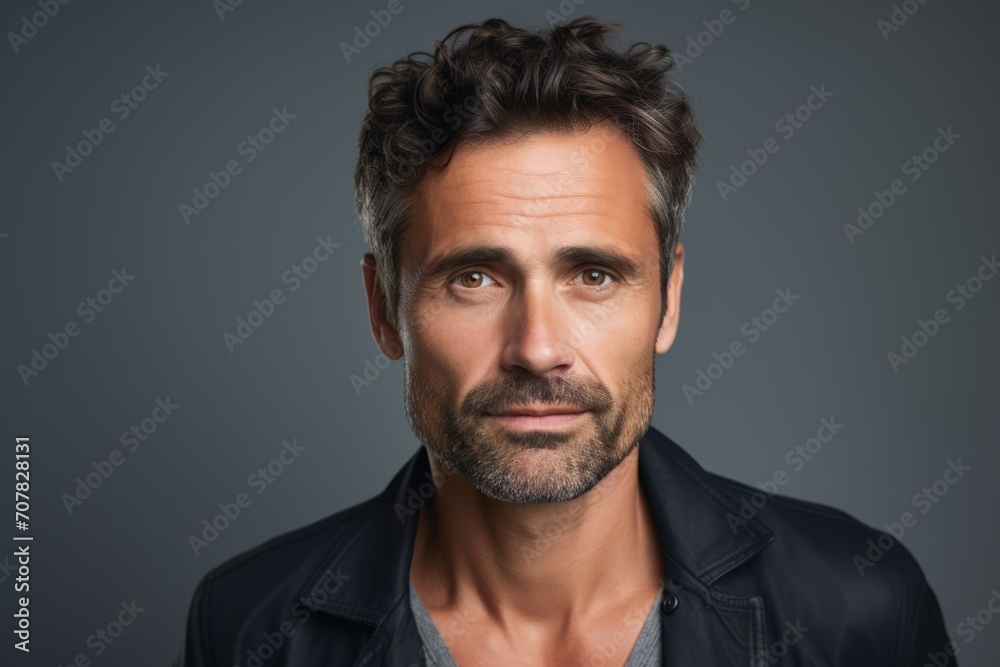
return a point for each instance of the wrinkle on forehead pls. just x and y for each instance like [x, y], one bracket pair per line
[561, 177]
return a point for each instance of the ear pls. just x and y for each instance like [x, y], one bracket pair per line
[386, 337]
[671, 318]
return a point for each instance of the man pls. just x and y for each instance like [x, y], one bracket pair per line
[523, 193]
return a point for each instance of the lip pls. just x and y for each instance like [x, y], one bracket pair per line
[539, 419]
[538, 412]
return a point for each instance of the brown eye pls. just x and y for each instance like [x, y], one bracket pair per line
[595, 275]
[472, 279]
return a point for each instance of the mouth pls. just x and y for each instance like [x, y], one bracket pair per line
[543, 417]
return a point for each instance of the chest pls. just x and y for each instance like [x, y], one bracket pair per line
[607, 641]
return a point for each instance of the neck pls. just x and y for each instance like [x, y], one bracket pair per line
[541, 560]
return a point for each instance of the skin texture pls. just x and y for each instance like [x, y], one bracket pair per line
[538, 548]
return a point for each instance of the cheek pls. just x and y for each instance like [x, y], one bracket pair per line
[449, 350]
[614, 337]
[619, 352]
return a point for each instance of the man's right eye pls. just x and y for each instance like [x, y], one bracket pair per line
[471, 279]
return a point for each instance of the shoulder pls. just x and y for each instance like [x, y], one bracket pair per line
[818, 545]
[826, 532]
[826, 559]
[286, 560]
[258, 591]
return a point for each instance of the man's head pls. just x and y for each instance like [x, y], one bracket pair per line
[523, 194]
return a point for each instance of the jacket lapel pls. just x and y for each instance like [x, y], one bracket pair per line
[701, 542]
[373, 561]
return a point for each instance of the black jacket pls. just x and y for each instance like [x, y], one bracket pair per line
[753, 580]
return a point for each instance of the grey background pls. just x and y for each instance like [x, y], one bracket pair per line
[162, 336]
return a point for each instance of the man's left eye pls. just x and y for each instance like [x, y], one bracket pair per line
[472, 279]
[595, 275]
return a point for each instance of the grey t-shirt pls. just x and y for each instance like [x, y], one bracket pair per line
[646, 652]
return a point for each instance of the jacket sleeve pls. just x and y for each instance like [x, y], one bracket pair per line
[926, 640]
[195, 647]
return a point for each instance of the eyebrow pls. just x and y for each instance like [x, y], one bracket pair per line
[463, 256]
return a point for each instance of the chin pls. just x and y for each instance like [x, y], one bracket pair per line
[533, 476]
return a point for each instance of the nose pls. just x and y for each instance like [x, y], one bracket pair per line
[537, 332]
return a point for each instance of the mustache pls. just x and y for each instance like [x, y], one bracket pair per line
[507, 392]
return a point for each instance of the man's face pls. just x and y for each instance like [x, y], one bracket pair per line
[529, 281]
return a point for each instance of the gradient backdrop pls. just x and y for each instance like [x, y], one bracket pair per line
[222, 74]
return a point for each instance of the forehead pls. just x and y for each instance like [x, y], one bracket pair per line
[563, 187]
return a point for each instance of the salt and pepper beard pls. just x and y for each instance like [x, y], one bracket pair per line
[488, 457]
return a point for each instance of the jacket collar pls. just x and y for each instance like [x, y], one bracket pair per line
[366, 573]
[699, 525]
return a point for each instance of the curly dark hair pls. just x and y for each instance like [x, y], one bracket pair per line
[503, 81]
